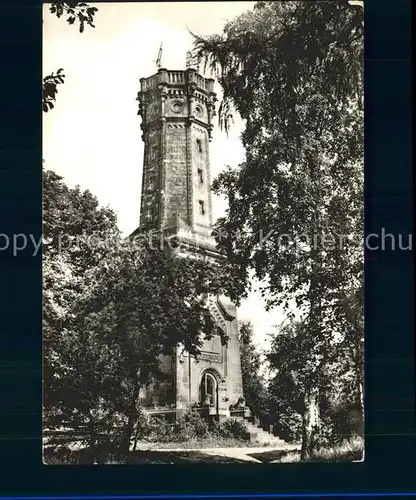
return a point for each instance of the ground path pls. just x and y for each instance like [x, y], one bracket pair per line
[242, 454]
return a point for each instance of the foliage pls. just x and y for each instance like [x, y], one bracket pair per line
[75, 12]
[110, 312]
[66, 213]
[194, 425]
[294, 72]
[189, 427]
[288, 426]
[232, 428]
[339, 408]
[253, 384]
[50, 89]
[79, 12]
[74, 225]
[348, 450]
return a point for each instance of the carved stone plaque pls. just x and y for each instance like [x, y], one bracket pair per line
[211, 356]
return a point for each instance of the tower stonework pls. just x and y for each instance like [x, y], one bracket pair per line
[177, 110]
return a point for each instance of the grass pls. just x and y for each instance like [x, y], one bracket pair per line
[79, 457]
[349, 451]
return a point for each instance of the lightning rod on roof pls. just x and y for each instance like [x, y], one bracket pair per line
[159, 57]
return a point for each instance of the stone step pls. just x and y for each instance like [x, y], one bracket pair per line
[262, 436]
[257, 433]
[257, 429]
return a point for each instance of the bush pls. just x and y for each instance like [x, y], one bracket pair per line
[195, 425]
[53, 455]
[236, 428]
[288, 426]
[230, 428]
[345, 422]
[188, 427]
[218, 430]
[160, 430]
[144, 425]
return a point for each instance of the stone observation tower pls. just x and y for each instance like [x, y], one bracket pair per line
[177, 110]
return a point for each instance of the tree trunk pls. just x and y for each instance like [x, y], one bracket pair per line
[310, 424]
[132, 417]
[360, 405]
[358, 361]
[136, 436]
[92, 443]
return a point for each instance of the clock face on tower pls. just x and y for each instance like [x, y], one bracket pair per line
[177, 106]
[199, 111]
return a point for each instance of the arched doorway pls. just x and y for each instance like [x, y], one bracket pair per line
[208, 389]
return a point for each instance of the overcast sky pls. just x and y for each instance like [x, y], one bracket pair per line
[92, 137]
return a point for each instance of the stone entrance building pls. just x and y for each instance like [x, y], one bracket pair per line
[177, 110]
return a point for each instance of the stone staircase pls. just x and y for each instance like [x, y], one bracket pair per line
[258, 435]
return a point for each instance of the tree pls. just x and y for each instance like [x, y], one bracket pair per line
[70, 216]
[294, 73]
[152, 301]
[293, 356]
[253, 384]
[110, 312]
[75, 12]
[293, 361]
[74, 225]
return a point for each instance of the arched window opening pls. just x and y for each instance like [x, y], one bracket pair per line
[208, 389]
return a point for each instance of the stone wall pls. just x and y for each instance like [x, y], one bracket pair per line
[234, 380]
[200, 164]
[175, 189]
[228, 366]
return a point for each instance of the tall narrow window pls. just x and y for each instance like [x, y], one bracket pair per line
[150, 215]
[201, 208]
[199, 145]
[153, 153]
[200, 176]
[151, 184]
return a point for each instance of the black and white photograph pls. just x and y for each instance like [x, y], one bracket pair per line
[203, 232]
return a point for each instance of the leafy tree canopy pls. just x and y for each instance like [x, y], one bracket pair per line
[110, 312]
[75, 13]
[253, 383]
[294, 72]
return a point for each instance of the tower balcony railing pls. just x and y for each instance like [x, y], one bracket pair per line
[176, 78]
